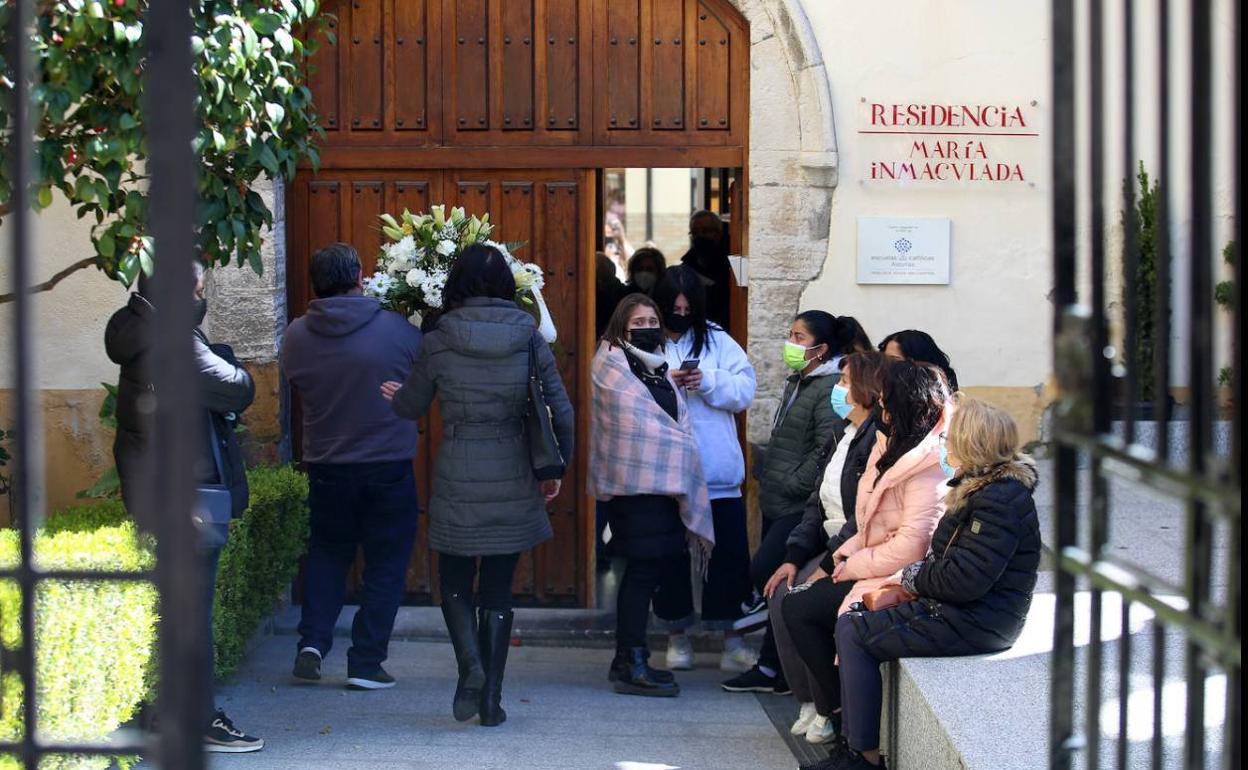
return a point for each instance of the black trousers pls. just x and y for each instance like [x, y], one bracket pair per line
[665, 582]
[457, 574]
[810, 616]
[767, 560]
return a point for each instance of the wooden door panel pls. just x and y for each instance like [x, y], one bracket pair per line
[715, 41]
[562, 53]
[468, 78]
[667, 74]
[323, 72]
[365, 62]
[619, 38]
[367, 202]
[517, 65]
[410, 41]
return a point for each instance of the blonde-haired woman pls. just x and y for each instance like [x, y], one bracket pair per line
[971, 594]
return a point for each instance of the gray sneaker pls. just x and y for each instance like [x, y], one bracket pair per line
[377, 679]
[308, 665]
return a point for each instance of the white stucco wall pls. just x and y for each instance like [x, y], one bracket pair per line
[993, 319]
[70, 319]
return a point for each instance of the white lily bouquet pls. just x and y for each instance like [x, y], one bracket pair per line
[413, 268]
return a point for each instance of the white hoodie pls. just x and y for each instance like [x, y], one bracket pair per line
[728, 386]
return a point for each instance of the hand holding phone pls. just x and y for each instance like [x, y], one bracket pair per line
[690, 377]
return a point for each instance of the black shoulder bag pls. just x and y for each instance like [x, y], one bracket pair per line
[547, 460]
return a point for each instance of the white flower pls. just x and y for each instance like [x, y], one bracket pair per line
[415, 277]
[401, 255]
[502, 250]
[447, 247]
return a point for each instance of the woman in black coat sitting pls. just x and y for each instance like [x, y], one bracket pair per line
[970, 596]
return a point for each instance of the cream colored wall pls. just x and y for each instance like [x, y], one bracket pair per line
[70, 319]
[993, 319]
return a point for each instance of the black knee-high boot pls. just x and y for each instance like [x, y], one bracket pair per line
[461, 624]
[495, 636]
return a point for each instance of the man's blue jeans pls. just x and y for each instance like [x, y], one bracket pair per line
[373, 505]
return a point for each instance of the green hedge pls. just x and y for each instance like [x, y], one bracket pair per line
[95, 653]
[260, 559]
[95, 640]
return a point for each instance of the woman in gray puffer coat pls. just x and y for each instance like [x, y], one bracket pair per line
[486, 501]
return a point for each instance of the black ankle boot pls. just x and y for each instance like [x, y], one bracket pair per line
[461, 624]
[637, 678]
[619, 668]
[495, 639]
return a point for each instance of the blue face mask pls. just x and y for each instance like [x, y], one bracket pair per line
[949, 470]
[840, 401]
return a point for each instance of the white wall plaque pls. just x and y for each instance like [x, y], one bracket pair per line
[914, 251]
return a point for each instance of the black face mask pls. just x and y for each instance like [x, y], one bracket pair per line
[201, 310]
[649, 340]
[680, 323]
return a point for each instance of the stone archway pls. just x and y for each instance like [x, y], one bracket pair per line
[792, 172]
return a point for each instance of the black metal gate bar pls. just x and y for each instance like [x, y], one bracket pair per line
[1234, 694]
[183, 637]
[1101, 383]
[1208, 488]
[1061, 720]
[1200, 368]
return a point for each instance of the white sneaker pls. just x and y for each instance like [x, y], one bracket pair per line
[804, 719]
[737, 660]
[821, 730]
[679, 652]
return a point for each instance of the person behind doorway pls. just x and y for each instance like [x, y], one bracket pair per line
[899, 503]
[827, 523]
[708, 255]
[970, 595]
[225, 390]
[918, 346]
[608, 290]
[789, 467]
[486, 504]
[644, 271]
[361, 486]
[645, 467]
[718, 386]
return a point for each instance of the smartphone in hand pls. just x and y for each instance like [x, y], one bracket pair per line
[689, 364]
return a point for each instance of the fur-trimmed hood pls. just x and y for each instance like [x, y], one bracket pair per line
[963, 486]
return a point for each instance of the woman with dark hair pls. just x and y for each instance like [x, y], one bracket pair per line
[486, 503]
[645, 269]
[790, 468]
[644, 466]
[718, 382]
[914, 345]
[900, 501]
[827, 522]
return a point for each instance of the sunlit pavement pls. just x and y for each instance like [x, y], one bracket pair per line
[561, 711]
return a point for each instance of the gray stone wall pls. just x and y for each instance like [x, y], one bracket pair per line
[793, 170]
[248, 311]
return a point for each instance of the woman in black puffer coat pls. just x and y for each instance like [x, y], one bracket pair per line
[975, 586]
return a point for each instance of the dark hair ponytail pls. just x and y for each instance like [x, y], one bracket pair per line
[920, 347]
[824, 328]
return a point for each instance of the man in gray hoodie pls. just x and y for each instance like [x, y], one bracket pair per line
[358, 454]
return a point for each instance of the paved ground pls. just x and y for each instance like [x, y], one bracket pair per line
[561, 714]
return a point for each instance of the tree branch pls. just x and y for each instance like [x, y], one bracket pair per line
[51, 283]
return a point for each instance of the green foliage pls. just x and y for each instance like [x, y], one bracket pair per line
[260, 560]
[255, 117]
[109, 483]
[1224, 294]
[1148, 197]
[95, 640]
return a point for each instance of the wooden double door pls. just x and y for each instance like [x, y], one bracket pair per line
[551, 211]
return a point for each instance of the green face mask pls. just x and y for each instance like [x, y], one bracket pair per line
[795, 356]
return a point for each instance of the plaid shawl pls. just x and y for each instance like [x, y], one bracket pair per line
[638, 449]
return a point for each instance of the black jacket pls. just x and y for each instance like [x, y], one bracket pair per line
[225, 390]
[976, 584]
[791, 466]
[809, 539]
